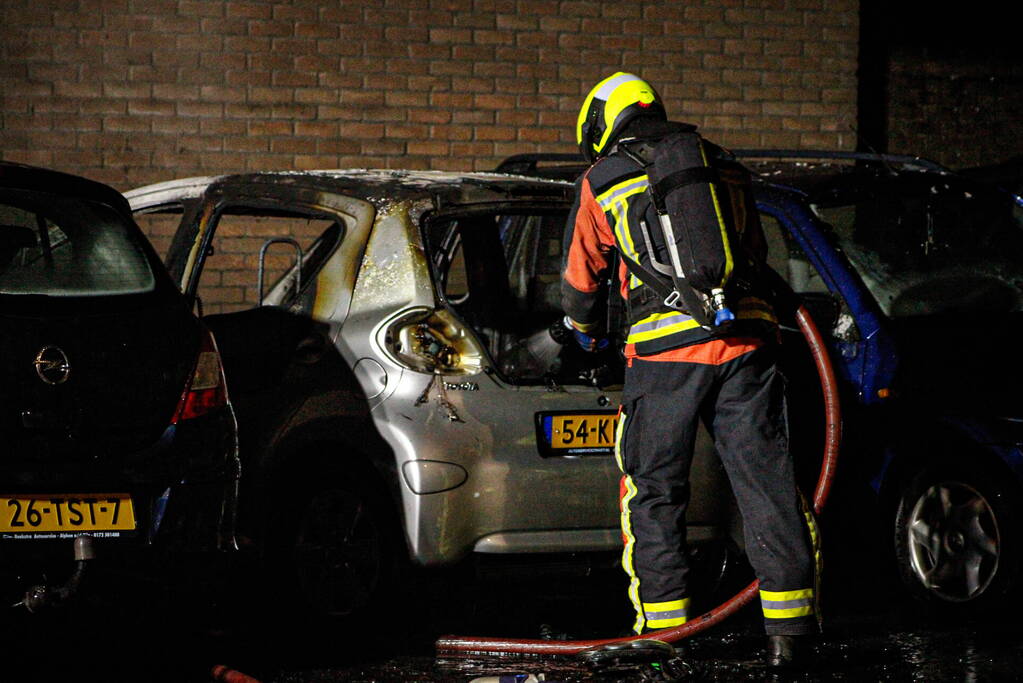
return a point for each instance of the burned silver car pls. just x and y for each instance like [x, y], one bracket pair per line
[385, 335]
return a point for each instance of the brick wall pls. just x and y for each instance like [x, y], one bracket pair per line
[137, 91]
[958, 110]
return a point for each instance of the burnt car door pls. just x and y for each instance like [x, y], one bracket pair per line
[548, 408]
[272, 266]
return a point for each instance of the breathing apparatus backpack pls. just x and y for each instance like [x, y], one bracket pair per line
[694, 260]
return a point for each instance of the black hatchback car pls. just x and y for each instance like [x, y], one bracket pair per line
[115, 422]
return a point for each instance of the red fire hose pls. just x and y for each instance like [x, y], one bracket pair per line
[223, 674]
[467, 645]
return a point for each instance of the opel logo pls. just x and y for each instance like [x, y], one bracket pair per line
[52, 365]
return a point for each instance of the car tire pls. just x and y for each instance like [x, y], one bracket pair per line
[957, 542]
[332, 553]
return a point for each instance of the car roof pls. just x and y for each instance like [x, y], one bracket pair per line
[378, 186]
[840, 182]
[816, 175]
[36, 179]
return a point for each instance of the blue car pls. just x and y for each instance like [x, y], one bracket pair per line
[914, 275]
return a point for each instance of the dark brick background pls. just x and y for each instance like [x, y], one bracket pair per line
[959, 109]
[137, 91]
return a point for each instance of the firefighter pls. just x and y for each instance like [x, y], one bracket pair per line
[678, 371]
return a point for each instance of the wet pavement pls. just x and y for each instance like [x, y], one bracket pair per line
[872, 632]
[865, 648]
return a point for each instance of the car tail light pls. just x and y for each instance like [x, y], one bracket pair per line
[428, 340]
[206, 389]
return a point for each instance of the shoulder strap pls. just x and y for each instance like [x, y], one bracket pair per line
[689, 176]
[669, 295]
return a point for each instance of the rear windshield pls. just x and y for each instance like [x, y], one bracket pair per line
[59, 246]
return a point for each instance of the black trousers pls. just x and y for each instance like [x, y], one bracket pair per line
[742, 404]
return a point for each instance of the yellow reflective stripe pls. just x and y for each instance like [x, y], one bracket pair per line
[620, 212]
[787, 604]
[627, 553]
[669, 606]
[619, 432]
[624, 189]
[659, 325]
[662, 332]
[818, 559]
[666, 614]
[614, 200]
[626, 522]
[637, 334]
[804, 611]
[786, 595]
[655, 319]
[721, 224]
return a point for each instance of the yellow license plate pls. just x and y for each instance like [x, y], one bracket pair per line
[71, 513]
[583, 430]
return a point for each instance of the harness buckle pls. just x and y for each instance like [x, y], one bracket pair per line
[671, 301]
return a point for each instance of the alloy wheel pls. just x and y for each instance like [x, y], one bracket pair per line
[954, 541]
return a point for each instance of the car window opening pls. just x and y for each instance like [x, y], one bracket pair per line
[230, 280]
[501, 273]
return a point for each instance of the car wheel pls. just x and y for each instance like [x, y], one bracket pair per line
[333, 552]
[956, 542]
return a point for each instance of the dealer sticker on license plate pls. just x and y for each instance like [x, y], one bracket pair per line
[65, 515]
[567, 433]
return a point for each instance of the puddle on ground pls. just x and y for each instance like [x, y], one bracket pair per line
[873, 647]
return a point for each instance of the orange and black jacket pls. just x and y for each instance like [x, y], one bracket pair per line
[611, 200]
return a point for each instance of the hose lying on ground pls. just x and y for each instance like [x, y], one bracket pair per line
[223, 674]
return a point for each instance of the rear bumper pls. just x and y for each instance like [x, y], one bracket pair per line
[184, 490]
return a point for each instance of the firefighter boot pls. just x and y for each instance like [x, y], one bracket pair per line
[786, 651]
